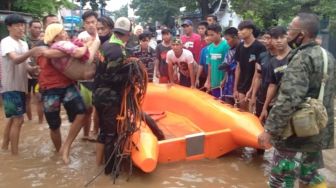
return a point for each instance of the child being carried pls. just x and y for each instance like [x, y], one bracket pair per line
[77, 64]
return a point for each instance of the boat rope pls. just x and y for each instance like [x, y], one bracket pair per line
[130, 115]
[129, 118]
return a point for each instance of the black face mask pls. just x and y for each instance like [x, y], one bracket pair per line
[295, 42]
[104, 38]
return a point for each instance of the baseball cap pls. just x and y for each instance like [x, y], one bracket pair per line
[122, 25]
[187, 22]
[144, 35]
[176, 40]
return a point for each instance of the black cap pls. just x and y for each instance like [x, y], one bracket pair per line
[144, 35]
[166, 31]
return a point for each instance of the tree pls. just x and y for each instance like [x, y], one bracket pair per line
[122, 12]
[94, 4]
[266, 13]
[165, 10]
[35, 7]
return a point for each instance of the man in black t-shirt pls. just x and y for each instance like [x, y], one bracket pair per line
[246, 56]
[277, 67]
[161, 68]
[260, 83]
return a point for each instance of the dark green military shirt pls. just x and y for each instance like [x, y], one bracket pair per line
[303, 79]
[108, 81]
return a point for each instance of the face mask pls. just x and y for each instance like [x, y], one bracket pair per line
[104, 38]
[295, 42]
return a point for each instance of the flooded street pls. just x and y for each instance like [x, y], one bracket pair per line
[38, 166]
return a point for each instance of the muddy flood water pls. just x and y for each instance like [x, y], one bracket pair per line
[38, 166]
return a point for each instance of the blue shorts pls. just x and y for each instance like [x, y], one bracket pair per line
[72, 102]
[216, 92]
[14, 103]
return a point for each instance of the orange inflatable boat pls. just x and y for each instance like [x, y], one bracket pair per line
[195, 126]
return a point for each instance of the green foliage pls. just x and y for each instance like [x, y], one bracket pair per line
[39, 8]
[122, 12]
[152, 10]
[165, 11]
[266, 13]
[93, 4]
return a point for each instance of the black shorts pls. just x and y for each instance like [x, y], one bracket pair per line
[185, 81]
[31, 85]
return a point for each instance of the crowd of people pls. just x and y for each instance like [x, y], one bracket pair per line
[267, 73]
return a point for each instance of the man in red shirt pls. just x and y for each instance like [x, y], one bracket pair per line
[56, 88]
[190, 40]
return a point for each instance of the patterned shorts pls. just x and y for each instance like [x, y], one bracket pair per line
[71, 99]
[289, 165]
[14, 103]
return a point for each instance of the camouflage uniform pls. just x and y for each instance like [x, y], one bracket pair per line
[302, 79]
[107, 93]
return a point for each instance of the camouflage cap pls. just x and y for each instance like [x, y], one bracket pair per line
[176, 40]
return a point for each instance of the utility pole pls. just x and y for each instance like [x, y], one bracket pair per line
[102, 7]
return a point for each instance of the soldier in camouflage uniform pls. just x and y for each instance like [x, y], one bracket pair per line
[107, 91]
[300, 156]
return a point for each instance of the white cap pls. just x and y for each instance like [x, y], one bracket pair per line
[123, 25]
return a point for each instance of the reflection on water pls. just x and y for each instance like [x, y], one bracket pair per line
[38, 166]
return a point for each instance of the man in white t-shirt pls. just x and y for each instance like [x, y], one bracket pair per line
[90, 20]
[14, 54]
[182, 68]
[158, 35]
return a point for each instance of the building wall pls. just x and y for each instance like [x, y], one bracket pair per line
[228, 18]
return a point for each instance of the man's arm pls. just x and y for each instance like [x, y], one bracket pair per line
[191, 74]
[170, 71]
[198, 74]
[53, 53]
[207, 83]
[235, 86]
[256, 83]
[157, 62]
[156, 67]
[20, 58]
[271, 92]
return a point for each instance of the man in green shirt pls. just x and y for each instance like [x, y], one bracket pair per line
[217, 51]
